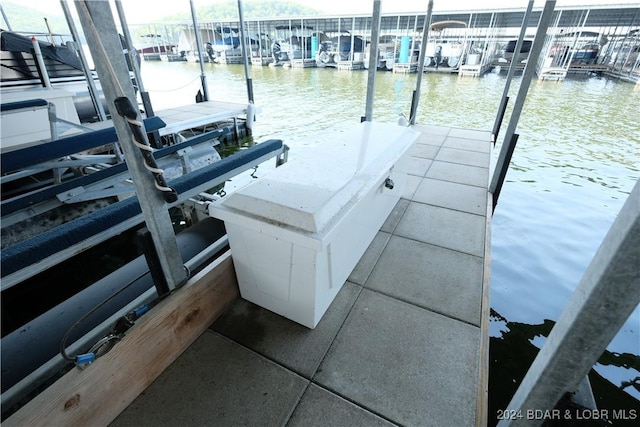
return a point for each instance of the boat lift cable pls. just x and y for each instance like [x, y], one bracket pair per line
[118, 330]
[126, 110]
[124, 107]
[144, 95]
[124, 323]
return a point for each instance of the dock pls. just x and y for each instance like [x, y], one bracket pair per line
[199, 114]
[405, 341]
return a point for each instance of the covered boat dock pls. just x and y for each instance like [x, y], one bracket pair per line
[405, 341]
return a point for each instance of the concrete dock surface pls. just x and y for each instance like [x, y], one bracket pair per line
[403, 343]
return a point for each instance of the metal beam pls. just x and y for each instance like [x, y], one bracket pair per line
[373, 60]
[144, 95]
[529, 71]
[423, 50]
[99, 28]
[93, 91]
[196, 32]
[245, 52]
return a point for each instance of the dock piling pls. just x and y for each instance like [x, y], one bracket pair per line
[423, 50]
[245, 52]
[144, 95]
[373, 60]
[529, 71]
[196, 31]
[511, 72]
[93, 91]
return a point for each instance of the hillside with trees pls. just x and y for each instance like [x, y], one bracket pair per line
[26, 19]
[252, 9]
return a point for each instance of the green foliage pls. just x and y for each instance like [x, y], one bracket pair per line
[228, 10]
[25, 19]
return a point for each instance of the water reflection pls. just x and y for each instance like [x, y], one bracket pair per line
[515, 345]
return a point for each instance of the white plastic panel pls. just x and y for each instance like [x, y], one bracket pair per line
[312, 191]
[27, 127]
[297, 271]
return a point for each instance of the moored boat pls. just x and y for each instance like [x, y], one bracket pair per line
[445, 47]
[154, 46]
[343, 47]
[67, 197]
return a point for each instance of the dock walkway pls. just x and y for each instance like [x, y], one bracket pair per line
[405, 341]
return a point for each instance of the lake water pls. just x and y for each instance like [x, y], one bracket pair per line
[577, 159]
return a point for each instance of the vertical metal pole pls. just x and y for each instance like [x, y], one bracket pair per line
[604, 299]
[144, 95]
[373, 60]
[501, 172]
[303, 41]
[529, 71]
[486, 41]
[203, 76]
[353, 35]
[245, 53]
[467, 35]
[512, 69]
[423, 52]
[395, 45]
[290, 52]
[4, 17]
[259, 41]
[102, 37]
[575, 43]
[42, 68]
[93, 90]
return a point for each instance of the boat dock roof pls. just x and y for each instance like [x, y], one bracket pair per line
[405, 341]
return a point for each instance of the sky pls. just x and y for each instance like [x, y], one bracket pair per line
[146, 11]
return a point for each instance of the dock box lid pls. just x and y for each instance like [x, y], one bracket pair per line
[315, 189]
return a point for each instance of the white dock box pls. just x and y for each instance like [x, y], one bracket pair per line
[297, 232]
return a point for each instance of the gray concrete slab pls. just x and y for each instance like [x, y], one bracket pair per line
[481, 145]
[431, 139]
[394, 217]
[410, 186]
[441, 280]
[410, 365]
[413, 165]
[320, 408]
[433, 129]
[462, 197]
[462, 174]
[470, 134]
[288, 343]
[216, 382]
[424, 150]
[402, 349]
[465, 157]
[443, 227]
[363, 269]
